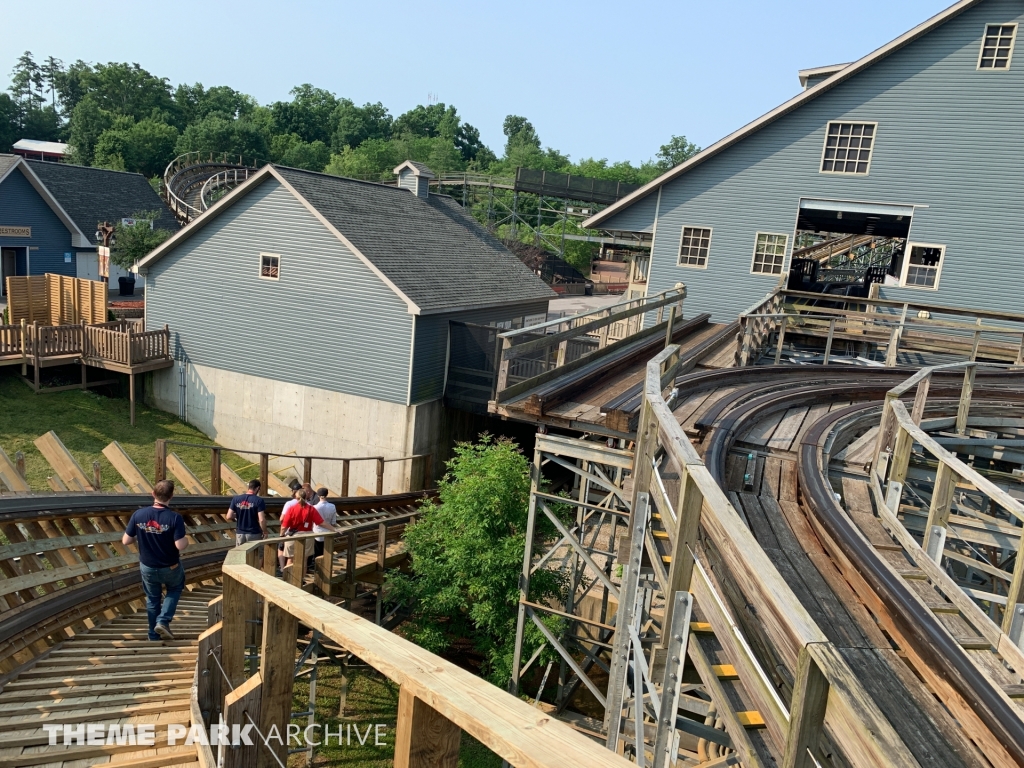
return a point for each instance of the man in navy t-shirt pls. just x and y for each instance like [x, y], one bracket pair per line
[160, 533]
[251, 513]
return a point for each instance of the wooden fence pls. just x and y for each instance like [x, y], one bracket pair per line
[437, 699]
[827, 699]
[878, 324]
[55, 300]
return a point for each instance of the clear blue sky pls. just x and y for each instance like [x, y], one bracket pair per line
[598, 78]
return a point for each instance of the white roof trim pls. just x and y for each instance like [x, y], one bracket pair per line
[595, 221]
[78, 237]
[201, 220]
[236, 194]
[413, 307]
[807, 74]
[415, 171]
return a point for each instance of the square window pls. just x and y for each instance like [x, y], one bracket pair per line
[848, 148]
[694, 247]
[769, 253]
[923, 266]
[270, 266]
[997, 46]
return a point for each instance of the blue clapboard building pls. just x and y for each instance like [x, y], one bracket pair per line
[49, 212]
[904, 168]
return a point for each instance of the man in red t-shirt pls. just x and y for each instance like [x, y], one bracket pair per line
[298, 518]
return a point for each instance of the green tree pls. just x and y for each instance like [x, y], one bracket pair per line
[134, 241]
[243, 137]
[145, 147]
[467, 556]
[9, 129]
[87, 124]
[73, 84]
[194, 102]
[51, 71]
[353, 125]
[308, 114]
[678, 150]
[289, 149]
[373, 159]
[128, 89]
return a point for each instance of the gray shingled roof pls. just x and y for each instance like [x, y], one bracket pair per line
[6, 161]
[430, 248]
[92, 195]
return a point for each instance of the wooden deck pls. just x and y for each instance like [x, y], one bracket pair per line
[110, 674]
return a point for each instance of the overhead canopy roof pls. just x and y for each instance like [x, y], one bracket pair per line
[855, 218]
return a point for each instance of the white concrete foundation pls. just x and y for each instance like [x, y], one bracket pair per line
[250, 412]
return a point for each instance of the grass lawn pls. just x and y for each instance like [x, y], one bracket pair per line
[86, 421]
[372, 699]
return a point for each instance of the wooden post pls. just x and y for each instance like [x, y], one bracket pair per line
[748, 340]
[668, 327]
[892, 352]
[215, 484]
[503, 365]
[977, 342]
[96, 476]
[270, 558]
[236, 602]
[1020, 352]
[938, 509]
[782, 337]
[350, 560]
[242, 706]
[24, 347]
[807, 713]
[160, 469]
[325, 567]
[900, 456]
[277, 669]
[963, 410]
[35, 353]
[131, 396]
[689, 503]
[1015, 592]
[920, 399]
[563, 349]
[19, 464]
[264, 472]
[382, 545]
[210, 691]
[298, 563]
[307, 470]
[380, 475]
[424, 738]
[828, 342]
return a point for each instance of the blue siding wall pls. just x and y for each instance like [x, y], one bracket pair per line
[948, 140]
[329, 322]
[21, 206]
[431, 350]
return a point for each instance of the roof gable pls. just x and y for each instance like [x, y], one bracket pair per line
[429, 251]
[842, 75]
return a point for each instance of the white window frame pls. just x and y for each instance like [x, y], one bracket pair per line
[1009, 56]
[871, 154]
[268, 277]
[906, 265]
[679, 249]
[785, 253]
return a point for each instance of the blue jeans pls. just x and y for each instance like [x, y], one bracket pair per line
[154, 580]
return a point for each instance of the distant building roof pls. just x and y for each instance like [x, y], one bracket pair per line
[418, 169]
[430, 250]
[92, 195]
[6, 163]
[34, 146]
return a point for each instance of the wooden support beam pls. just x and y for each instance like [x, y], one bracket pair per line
[964, 408]
[63, 463]
[782, 337]
[424, 738]
[277, 670]
[938, 510]
[689, 503]
[380, 475]
[233, 480]
[236, 612]
[920, 399]
[264, 473]
[185, 476]
[807, 713]
[210, 692]
[10, 476]
[160, 465]
[215, 484]
[127, 468]
[242, 707]
[307, 470]
[345, 473]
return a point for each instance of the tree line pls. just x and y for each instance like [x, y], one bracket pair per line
[120, 116]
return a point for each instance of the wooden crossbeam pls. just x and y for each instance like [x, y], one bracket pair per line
[63, 463]
[127, 468]
[10, 476]
[185, 476]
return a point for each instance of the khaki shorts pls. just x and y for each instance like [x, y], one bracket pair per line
[289, 549]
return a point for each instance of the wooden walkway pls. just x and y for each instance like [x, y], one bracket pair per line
[110, 674]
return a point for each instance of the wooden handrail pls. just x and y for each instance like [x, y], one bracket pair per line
[853, 721]
[437, 698]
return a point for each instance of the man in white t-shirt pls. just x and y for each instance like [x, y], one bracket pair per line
[329, 513]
